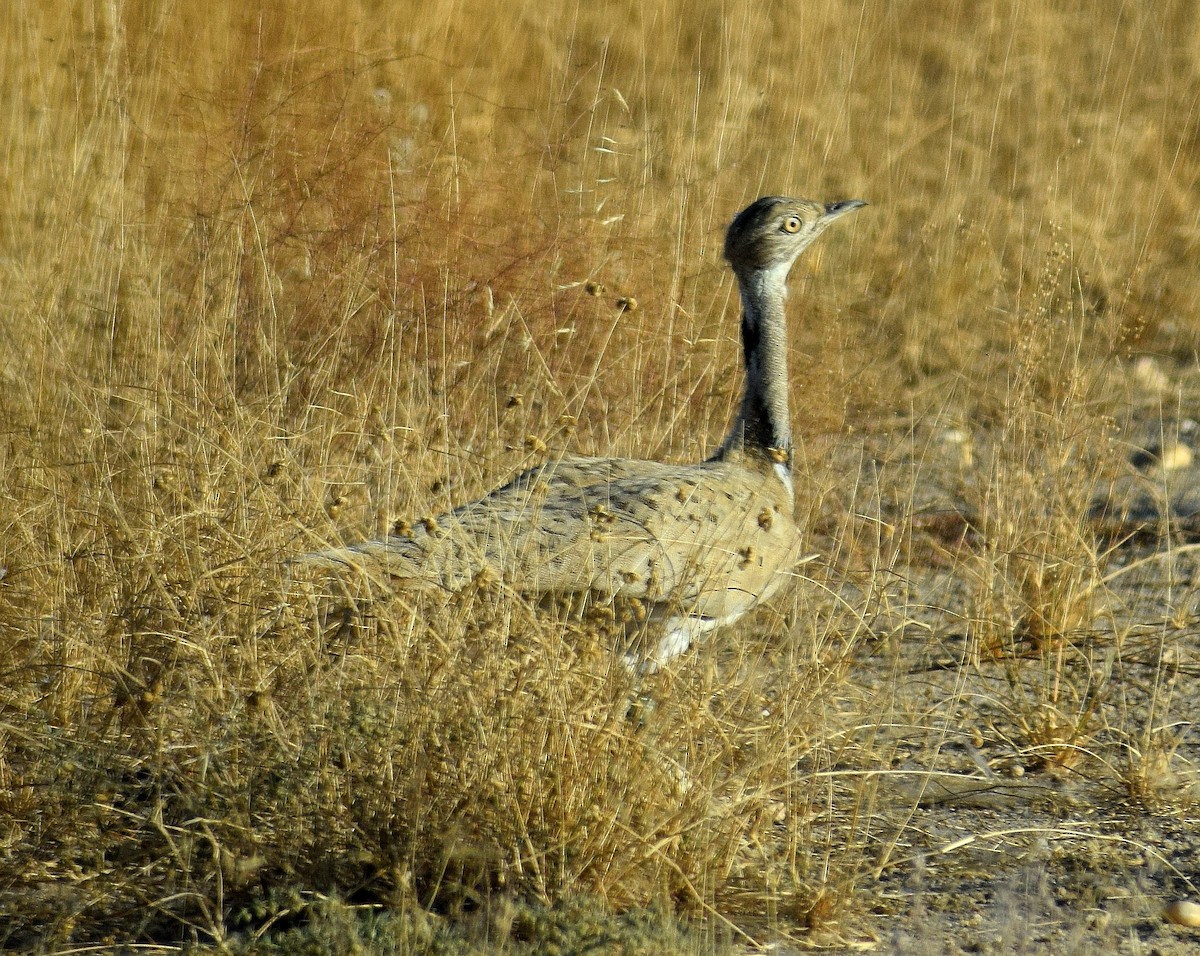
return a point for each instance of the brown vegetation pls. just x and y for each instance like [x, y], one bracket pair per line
[280, 275]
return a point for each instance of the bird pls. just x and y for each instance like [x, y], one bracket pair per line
[698, 545]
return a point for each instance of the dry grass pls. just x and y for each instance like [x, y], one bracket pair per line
[278, 275]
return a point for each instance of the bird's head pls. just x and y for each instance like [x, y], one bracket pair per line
[772, 231]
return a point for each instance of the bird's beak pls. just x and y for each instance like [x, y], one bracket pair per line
[840, 208]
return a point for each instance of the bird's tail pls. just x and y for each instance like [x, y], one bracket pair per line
[392, 557]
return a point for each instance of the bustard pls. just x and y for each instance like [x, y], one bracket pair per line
[699, 544]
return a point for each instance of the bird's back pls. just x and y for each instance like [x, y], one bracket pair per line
[709, 538]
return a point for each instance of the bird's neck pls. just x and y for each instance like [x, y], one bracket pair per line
[762, 429]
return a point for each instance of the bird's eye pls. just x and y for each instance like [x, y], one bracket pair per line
[792, 224]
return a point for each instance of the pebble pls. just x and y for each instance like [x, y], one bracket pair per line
[1175, 455]
[1148, 374]
[1183, 913]
[961, 439]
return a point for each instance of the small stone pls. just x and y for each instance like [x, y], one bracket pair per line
[1149, 375]
[961, 439]
[1183, 913]
[1170, 456]
[1175, 455]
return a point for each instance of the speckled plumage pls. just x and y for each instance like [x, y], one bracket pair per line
[701, 544]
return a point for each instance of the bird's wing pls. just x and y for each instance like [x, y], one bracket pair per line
[633, 529]
[712, 537]
[579, 471]
[454, 548]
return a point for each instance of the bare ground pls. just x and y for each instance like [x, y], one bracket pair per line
[1042, 788]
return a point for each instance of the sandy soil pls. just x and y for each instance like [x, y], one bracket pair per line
[1043, 795]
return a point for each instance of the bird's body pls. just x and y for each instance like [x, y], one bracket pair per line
[700, 544]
